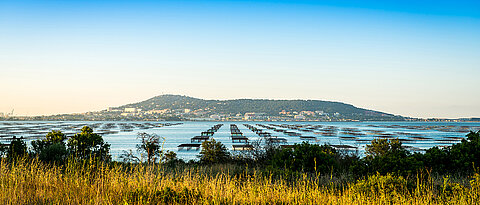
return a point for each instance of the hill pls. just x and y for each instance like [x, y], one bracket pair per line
[268, 107]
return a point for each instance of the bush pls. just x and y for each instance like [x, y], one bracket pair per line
[439, 160]
[465, 155]
[52, 148]
[214, 152]
[17, 148]
[305, 157]
[54, 153]
[86, 145]
[381, 185]
[388, 156]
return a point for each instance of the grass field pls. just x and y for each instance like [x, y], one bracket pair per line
[31, 182]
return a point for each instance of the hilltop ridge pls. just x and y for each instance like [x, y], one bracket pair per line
[321, 109]
[179, 107]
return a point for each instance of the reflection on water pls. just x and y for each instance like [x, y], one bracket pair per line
[416, 136]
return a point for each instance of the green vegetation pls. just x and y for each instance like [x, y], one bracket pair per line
[172, 108]
[151, 146]
[214, 152]
[17, 148]
[302, 174]
[269, 107]
[52, 148]
[150, 150]
[305, 158]
[87, 145]
[34, 182]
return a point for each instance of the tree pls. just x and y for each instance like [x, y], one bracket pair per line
[86, 144]
[305, 157]
[388, 156]
[52, 148]
[169, 156]
[151, 148]
[213, 152]
[438, 159]
[151, 145]
[55, 136]
[466, 155]
[17, 148]
[383, 147]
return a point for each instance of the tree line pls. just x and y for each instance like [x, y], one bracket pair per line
[381, 156]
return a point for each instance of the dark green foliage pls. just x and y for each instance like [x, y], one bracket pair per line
[86, 145]
[462, 157]
[388, 156]
[56, 152]
[55, 137]
[306, 157]
[269, 107]
[438, 160]
[52, 148]
[214, 152]
[384, 147]
[17, 148]
[351, 163]
[466, 155]
[383, 156]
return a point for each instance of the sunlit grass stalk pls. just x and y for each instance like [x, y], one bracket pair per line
[32, 182]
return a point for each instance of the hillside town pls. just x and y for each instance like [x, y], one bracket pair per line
[209, 115]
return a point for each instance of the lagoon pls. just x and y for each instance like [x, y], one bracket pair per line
[352, 136]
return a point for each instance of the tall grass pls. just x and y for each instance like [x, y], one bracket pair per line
[32, 182]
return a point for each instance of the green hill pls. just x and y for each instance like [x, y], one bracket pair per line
[269, 107]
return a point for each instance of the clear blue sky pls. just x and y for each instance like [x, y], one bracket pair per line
[413, 58]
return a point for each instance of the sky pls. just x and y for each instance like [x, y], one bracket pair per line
[410, 58]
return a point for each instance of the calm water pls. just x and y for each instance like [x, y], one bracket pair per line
[122, 136]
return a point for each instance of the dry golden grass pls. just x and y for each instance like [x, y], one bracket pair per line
[31, 182]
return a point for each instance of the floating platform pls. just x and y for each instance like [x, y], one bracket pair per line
[189, 146]
[207, 133]
[343, 146]
[199, 138]
[307, 138]
[277, 140]
[242, 147]
[239, 139]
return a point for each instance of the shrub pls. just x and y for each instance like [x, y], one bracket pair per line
[437, 159]
[381, 185]
[213, 152]
[52, 148]
[17, 148]
[465, 155]
[87, 145]
[54, 153]
[305, 157]
[388, 156]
